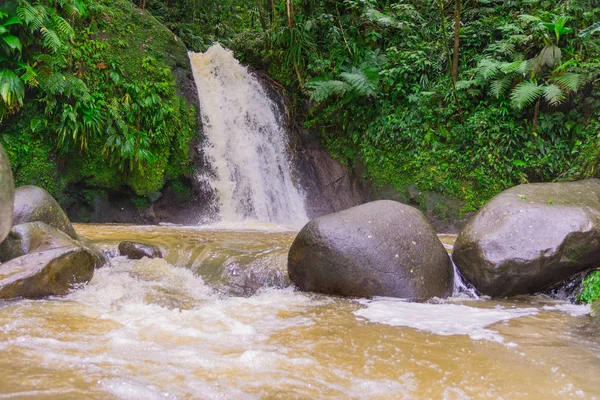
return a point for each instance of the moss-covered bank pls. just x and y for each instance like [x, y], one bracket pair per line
[137, 111]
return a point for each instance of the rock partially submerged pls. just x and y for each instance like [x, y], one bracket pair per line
[383, 248]
[35, 237]
[48, 273]
[35, 204]
[531, 237]
[7, 193]
[136, 250]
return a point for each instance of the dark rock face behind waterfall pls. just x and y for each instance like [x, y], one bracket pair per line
[531, 237]
[382, 248]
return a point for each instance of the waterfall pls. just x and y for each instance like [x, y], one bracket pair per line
[246, 144]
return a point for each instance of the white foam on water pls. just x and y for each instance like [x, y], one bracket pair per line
[575, 310]
[441, 319]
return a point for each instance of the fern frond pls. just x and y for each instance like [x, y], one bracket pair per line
[525, 94]
[554, 95]
[569, 81]
[322, 90]
[529, 18]
[51, 40]
[462, 85]
[33, 16]
[62, 27]
[362, 81]
[488, 68]
[499, 86]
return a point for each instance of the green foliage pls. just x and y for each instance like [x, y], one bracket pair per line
[380, 89]
[590, 288]
[103, 100]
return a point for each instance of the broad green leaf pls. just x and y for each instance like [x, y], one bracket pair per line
[12, 89]
[13, 42]
[14, 20]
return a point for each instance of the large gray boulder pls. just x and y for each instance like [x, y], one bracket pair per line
[531, 237]
[48, 273]
[383, 248]
[35, 204]
[7, 193]
[34, 237]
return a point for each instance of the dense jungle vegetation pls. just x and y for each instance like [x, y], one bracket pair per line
[460, 97]
[89, 100]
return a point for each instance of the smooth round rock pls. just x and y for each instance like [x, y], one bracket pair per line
[383, 248]
[49, 273]
[33, 237]
[531, 237]
[137, 251]
[7, 194]
[35, 204]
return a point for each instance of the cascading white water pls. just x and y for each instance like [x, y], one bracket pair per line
[246, 145]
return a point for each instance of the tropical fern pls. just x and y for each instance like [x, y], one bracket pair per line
[321, 90]
[526, 94]
[33, 16]
[362, 81]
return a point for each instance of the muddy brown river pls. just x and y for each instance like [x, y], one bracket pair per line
[217, 320]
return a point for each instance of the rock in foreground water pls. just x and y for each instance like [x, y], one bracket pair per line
[35, 237]
[47, 273]
[7, 192]
[136, 251]
[531, 237]
[35, 204]
[383, 248]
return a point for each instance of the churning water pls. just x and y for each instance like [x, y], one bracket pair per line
[246, 144]
[217, 320]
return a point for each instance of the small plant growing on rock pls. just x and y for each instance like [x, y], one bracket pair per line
[590, 288]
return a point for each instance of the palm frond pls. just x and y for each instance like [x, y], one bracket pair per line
[525, 94]
[569, 81]
[554, 95]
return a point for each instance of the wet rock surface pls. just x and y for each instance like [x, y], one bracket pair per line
[46, 273]
[7, 192]
[35, 237]
[382, 248]
[137, 250]
[531, 237]
[35, 204]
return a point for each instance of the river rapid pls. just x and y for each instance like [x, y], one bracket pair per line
[217, 320]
